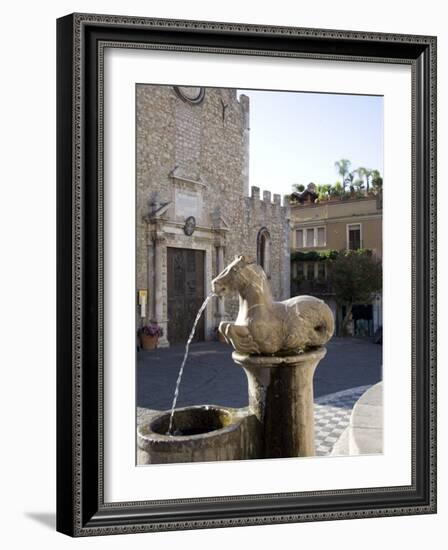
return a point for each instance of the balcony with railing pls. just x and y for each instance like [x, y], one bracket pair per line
[314, 287]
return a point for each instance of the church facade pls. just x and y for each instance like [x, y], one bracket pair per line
[194, 209]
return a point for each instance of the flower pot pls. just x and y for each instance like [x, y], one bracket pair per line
[148, 342]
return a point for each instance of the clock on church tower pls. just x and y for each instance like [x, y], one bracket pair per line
[190, 94]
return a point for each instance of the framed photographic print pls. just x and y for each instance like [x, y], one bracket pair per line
[246, 274]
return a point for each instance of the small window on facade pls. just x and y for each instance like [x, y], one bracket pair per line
[299, 238]
[264, 250]
[300, 270]
[309, 271]
[321, 271]
[354, 237]
[310, 237]
[321, 236]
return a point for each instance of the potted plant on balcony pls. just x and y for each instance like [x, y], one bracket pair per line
[149, 335]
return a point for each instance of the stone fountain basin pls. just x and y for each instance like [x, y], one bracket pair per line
[191, 421]
[209, 433]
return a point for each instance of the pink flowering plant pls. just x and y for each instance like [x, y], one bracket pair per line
[151, 329]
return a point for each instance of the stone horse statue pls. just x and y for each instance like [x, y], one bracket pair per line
[265, 327]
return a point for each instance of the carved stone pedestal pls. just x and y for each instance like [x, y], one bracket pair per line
[281, 398]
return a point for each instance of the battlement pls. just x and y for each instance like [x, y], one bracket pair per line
[255, 192]
[268, 199]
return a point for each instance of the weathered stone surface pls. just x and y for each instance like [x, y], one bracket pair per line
[281, 397]
[192, 159]
[366, 423]
[211, 433]
[279, 421]
[264, 326]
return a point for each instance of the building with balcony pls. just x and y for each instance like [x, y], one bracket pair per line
[317, 228]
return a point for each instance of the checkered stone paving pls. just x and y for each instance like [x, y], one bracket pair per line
[332, 416]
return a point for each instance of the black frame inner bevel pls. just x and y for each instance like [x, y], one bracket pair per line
[91, 515]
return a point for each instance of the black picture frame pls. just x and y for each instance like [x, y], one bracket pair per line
[81, 510]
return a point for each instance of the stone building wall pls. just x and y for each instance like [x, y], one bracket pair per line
[192, 160]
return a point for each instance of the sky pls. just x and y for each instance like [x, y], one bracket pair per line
[296, 137]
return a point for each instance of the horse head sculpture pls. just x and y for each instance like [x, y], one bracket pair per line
[266, 327]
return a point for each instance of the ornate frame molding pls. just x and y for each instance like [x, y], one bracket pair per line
[81, 42]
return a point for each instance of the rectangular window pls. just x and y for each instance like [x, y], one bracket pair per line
[321, 271]
[310, 237]
[321, 236]
[354, 237]
[300, 270]
[310, 271]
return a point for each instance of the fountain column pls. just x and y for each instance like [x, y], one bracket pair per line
[281, 397]
[220, 267]
[159, 293]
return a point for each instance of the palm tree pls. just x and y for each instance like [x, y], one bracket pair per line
[365, 173]
[377, 180]
[298, 187]
[343, 168]
[336, 190]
